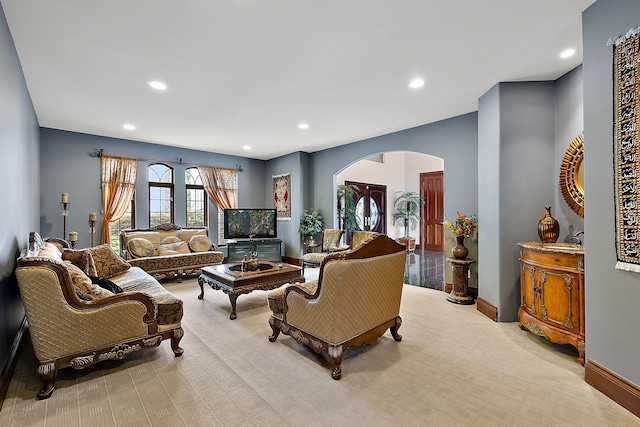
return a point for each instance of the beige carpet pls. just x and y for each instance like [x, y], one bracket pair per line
[454, 367]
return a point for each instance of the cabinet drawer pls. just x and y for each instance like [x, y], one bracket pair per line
[552, 259]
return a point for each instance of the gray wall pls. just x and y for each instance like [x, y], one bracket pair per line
[67, 167]
[569, 123]
[611, 295]
[520, 161]
[288, 229]
[20, 177]
[454, 140]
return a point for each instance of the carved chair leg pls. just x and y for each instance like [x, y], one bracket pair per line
[176, 336]
[275, 330]
[335, 360]
[47, 373]
[394, 329]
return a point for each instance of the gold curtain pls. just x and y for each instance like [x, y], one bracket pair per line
[118, 185]
[220, 185]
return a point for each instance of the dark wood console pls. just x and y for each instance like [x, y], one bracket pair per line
[267, 249]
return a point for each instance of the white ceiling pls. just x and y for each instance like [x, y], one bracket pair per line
[247, 72]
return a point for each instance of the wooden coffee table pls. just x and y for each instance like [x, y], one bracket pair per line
[232, 281]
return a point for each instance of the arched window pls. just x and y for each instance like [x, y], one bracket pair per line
[160, 194]
[196, 199]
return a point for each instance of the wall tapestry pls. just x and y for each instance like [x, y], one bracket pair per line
[626, 80]
[282, 195]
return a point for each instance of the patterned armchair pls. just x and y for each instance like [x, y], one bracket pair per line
[330, 243]
[359, 237]
[354, 301]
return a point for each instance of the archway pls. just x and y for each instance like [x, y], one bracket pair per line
[399, 171]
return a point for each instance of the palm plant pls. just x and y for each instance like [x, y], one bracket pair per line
[347, 207]
[407, 206]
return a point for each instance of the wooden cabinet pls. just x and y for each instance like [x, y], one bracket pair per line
[267, 250]
[552, 292]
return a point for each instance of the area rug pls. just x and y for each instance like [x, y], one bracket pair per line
[626, 79]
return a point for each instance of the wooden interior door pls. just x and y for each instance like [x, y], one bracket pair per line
[432, 211]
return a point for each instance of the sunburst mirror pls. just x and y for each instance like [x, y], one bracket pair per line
[572, 175]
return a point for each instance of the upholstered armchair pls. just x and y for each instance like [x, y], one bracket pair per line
[359, 237]
[330, 243]
[354, 301]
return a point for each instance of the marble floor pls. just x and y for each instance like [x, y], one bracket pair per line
[425, 269]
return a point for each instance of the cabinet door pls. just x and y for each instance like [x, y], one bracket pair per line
[559, 299]
[269, 252]
[237, 251]
[528, 287]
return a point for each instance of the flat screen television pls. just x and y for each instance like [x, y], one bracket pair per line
[250, 224]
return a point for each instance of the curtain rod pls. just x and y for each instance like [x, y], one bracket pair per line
[101, 153]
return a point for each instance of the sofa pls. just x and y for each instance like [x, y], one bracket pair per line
[76, 323]
[168, 250]
[354, 301]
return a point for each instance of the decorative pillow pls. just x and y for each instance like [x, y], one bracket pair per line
[139, 247]
[85, 289]
[186, 234]
[170, 239]
[108, 263]
[173, 248]
[82, 259]
[200, 243]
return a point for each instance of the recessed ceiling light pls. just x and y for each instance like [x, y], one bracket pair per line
[416, 83]
[246, 147]
[158, 85]
[567, 53]
[128, 126]
[303, 126]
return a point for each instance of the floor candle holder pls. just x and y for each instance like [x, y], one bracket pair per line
[92, 229]
[64, 207]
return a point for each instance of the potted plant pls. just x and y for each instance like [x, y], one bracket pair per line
[311, 223]
[407, 206]
[347, 207]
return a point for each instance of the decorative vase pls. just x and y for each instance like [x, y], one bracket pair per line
[460, 251]
[548, 227]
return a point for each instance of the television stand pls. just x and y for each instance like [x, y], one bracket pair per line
[267, 250]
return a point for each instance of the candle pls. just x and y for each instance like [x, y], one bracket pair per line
[65, 197]
[73, 236]
[92, 216]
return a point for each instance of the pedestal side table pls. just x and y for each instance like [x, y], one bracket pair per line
[460, 289]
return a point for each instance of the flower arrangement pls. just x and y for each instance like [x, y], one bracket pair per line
[463, 225]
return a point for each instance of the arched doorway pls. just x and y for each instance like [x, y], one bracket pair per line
[397, 172]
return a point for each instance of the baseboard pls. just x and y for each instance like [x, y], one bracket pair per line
[7, 371]
[486, 308]
[618, 389]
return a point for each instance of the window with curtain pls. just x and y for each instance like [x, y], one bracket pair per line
[125, 222]
[221, 185]
[196, 199]
[160, 194]
[118, 186]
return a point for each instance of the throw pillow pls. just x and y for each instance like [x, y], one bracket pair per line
[173, 249]
[170, 239]
[200, 243]
[139, 247]
[85, 289]
[108, 263]
[82, 259]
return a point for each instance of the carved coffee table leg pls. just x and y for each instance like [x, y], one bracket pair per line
[232, 298]
[201, 283]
